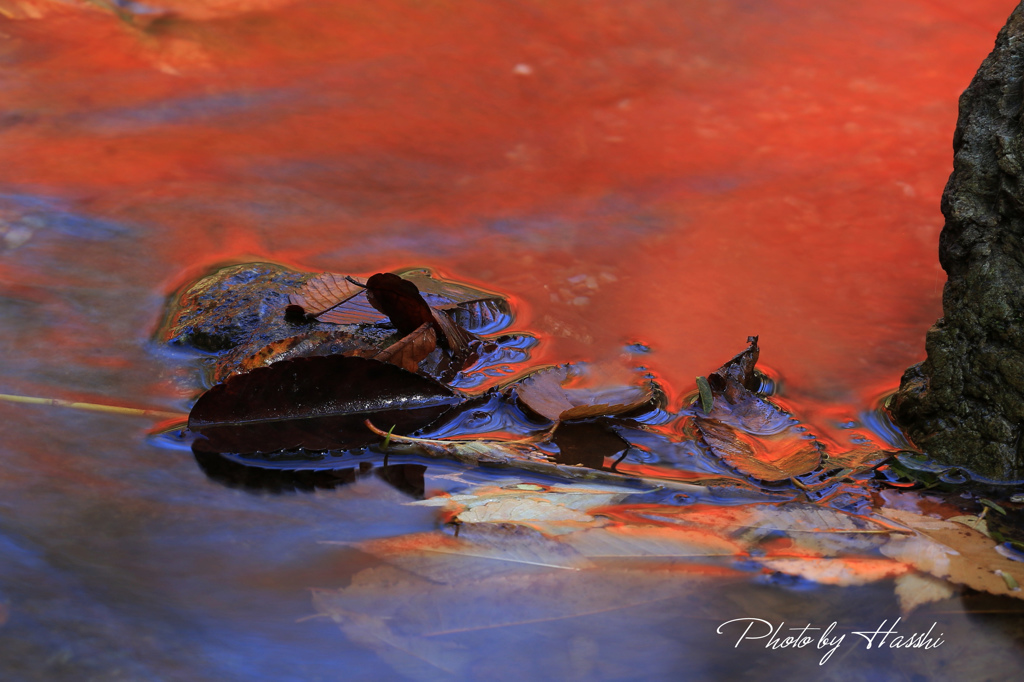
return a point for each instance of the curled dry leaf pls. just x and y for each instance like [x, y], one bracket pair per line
[316, 403]
[400, 300]
[544, 393]
[335, 299]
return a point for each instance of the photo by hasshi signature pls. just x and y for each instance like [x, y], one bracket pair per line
[823, 638]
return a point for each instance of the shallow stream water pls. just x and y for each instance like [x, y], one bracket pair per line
[667, 176]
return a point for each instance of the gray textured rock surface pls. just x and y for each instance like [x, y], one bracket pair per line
[964, 405]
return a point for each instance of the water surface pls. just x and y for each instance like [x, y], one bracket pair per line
[675, 174]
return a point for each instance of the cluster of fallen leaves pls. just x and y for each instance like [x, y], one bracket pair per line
[516, 555]
[756, 493]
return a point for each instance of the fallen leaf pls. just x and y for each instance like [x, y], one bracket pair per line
[844, 571]
[306, 345]
[648, 542]
[408, 351]
[324, 297]
[400, 300]
[316, 403]
[553, 510]
[860, 458]
[970, 556]
[480, 551]
[917, 589]
[771, 458]
[544, 393]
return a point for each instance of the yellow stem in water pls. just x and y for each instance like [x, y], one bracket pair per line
[92, 407]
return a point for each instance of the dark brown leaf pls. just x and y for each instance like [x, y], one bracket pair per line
[544, 393]
[316, 403]
[400, 300]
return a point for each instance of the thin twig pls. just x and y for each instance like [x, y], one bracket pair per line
[92, 407]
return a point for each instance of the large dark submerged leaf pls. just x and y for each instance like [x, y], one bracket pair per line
[315, 403]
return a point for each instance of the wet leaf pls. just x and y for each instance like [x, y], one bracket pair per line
[480, 551]
[325, 294]
[647, 542]
[916, 589]
[587, 443]
[525, 455]
[739, 371]
[957, 553]
[860, 458]
[315, 403]
[408, 351]
[306, 345]
[400, 300]
[765, 458]
[707, 399]
[843, 571]
[544, 393]
[551, 509]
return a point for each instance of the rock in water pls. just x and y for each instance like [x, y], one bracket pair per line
[964, 405]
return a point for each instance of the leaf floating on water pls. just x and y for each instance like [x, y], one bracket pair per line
[843, 571]
[968, 557]
[766, 459]
[707, 399]
[523, 454]
[860, 458]
[401, 301]
[480, 551]
[316, 403]
[305, 345]
[740, 369]
[917, 589]
[544, 393]
[647, 542]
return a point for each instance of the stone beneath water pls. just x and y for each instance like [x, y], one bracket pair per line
[964, 404]
[237, 310]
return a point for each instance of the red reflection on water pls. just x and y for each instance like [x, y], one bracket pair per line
[678, 173]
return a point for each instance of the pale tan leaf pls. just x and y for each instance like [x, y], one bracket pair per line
[972, 558]
[842, 571]
[648, 542]
[544, 393]
[916, 589]
[481, 551]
